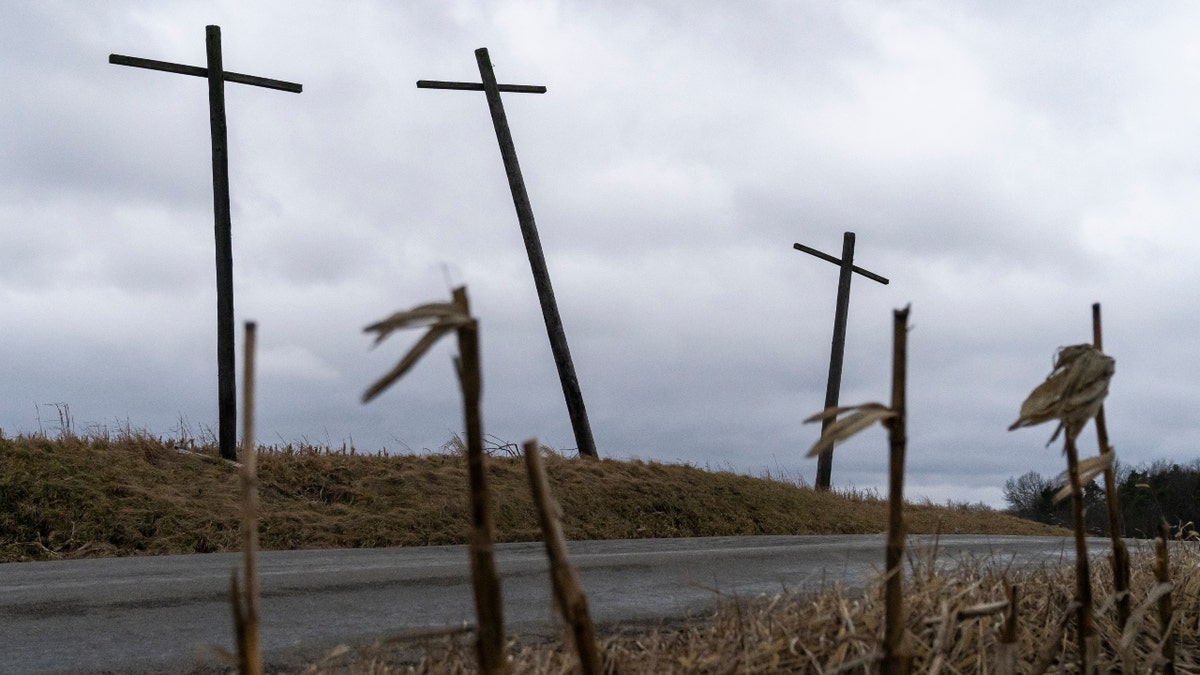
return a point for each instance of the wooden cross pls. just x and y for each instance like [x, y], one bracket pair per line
[217, 76]
[833, 385]
[533, 244]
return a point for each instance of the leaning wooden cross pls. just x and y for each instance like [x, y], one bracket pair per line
[217, 76]
[834, 383]
[533, 244]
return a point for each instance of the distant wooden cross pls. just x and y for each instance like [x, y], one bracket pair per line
[533, 244]
[217, 76]
[833, 385]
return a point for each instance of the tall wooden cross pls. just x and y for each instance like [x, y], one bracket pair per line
[833, 385]
[533, 244]
[216, 75]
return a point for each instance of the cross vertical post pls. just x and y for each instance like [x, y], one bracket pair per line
[533, 244]
[216, 75]
[223, 233]
[833, 384]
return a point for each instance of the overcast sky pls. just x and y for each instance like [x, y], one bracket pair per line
[1005, 165]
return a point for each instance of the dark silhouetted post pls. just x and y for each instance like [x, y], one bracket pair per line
[895, 660]
[216, 75]
[1120, 553]
[833, 385]
[533, 244]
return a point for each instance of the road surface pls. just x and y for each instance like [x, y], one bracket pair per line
[171, 613]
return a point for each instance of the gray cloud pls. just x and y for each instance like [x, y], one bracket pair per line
[1005, 166]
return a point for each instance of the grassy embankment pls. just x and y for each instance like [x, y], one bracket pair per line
[137, 495]
[134, 495]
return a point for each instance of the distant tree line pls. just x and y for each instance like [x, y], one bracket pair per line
[1148, 494]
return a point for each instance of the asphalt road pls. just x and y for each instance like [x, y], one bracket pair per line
[171, 613]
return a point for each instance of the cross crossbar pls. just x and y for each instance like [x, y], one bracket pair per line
[477, 86]
[151, 64]
[838, 261]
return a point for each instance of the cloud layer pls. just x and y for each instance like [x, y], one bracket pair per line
[1005, 166]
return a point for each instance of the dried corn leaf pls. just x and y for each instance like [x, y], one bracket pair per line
[439, 317]
[834, 411]
[1088, 470]
[863, 416]
[1042, 404]
[1085, 390]
[1134, 625]
[1063, 492]
[1072, 394]
[410, 359]
[959, 613]
[1068, 355]
[983, 609]
[446, 314]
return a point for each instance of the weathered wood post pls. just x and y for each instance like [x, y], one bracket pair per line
[1166, 611]
[896, 660]
[569, 598]
[833, 384]
[216, 75]
[245, 601]
[533, 244]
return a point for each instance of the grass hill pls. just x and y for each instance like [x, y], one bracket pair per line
[138, 495]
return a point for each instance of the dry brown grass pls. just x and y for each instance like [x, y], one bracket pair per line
[839, 630]
[138, 495]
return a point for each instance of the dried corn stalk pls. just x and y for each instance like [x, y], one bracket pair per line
[894, 657]
[441, 319]
[245, 600]
[1073, 394]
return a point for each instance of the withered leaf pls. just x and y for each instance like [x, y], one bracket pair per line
[435, 313]
[440, 317]
[1072, 394]
[863, 416]
[1088, 470]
